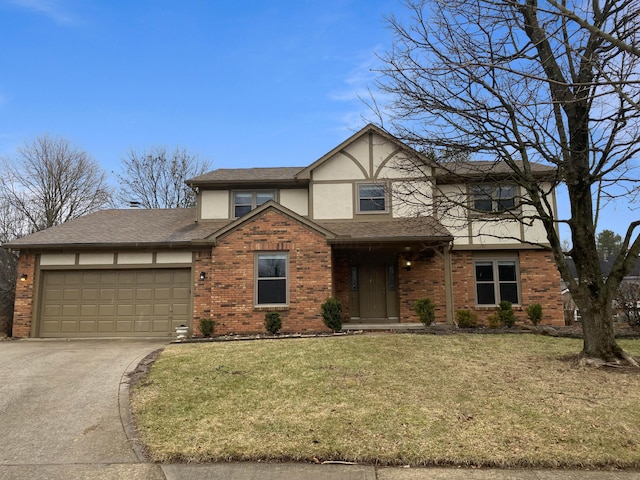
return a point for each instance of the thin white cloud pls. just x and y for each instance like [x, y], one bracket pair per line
[50, 8]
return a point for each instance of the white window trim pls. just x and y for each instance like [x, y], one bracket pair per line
[385, 189]
[256, 279]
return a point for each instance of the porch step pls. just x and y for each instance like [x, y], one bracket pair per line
[399, 327]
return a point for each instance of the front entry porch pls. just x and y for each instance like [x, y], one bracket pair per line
[378, 284]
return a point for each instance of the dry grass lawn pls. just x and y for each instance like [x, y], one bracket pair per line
[491, 400]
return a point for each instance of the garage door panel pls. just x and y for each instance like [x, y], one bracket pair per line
[143, 293]
[90, 294]
[142, 326]
[181, 294]
[126, 294]
[161, 309]
[68, 326]
[88, 311]
[106, 310]
[106, 326]
[71, 294]
[124, 310]
[86, 326]
[126, 277]
[181, 309]
[164, 276]
[143, 310]
[124, 325]
[70, 311]
[114, 302]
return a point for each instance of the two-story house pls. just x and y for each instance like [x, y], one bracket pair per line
[356, 224]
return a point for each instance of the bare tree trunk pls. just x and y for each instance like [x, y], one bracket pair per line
[597, 327]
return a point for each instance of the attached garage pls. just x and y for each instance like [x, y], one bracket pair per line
[114, 302]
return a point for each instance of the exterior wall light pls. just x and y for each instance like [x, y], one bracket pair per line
[23, 277]
[203, 275]
[407, 264]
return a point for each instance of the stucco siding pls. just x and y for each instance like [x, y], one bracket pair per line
[296, 200]
[333, 201]
[59, 259]
[338, 167]
[214, 204]
[95, 259]
[412, 198]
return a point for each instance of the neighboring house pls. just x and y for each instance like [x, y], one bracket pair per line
[626, 306]
[285, 239]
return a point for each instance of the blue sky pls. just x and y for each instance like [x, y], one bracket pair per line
[241, 83]
[250, 83]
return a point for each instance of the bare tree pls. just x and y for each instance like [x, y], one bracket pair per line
[50, 182]
[47, 183]
[156, 178]
[523, 83]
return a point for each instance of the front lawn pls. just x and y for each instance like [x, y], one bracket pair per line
[492, 400]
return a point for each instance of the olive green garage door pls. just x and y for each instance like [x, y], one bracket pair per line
[120, 303]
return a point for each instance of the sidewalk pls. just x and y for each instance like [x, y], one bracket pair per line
[295, 471]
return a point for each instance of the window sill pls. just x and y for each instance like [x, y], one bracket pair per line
[271, 308]
[487, 308]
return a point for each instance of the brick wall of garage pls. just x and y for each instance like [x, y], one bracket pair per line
[233, 276]
[23, 309]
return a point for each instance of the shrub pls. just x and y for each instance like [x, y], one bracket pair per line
[272, 322]
[506, 315]
[207, 326]
[534, 312]
[466, 318]
[493, 320]
[426, 311]
[332, 314]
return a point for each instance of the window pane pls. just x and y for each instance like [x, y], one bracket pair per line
[354, 278]
[486, 294]
[482, 204]
[509, 291]
[505, 198]
[241, 210]
[484, 272]
[263, 197]
[372, 204]
[507, 271]
[243, 198]
[368, 191]
[272, 266]
[272, 291]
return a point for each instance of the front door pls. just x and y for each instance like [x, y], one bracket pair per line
[373, 294]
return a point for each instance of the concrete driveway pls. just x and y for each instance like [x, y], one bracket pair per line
[60, 415]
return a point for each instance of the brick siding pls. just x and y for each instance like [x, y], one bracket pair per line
[539, 283]
[425, 279]
[233, 277]
[23, 308]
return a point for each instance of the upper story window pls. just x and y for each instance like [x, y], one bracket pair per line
[493, 198]
[244, 202]
[371, 198]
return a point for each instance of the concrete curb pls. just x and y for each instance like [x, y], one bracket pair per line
[124, 406]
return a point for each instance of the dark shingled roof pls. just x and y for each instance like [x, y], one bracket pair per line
[242, 175]
[177, 227]
[481, 168]
[416, 228]
[123, 227]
